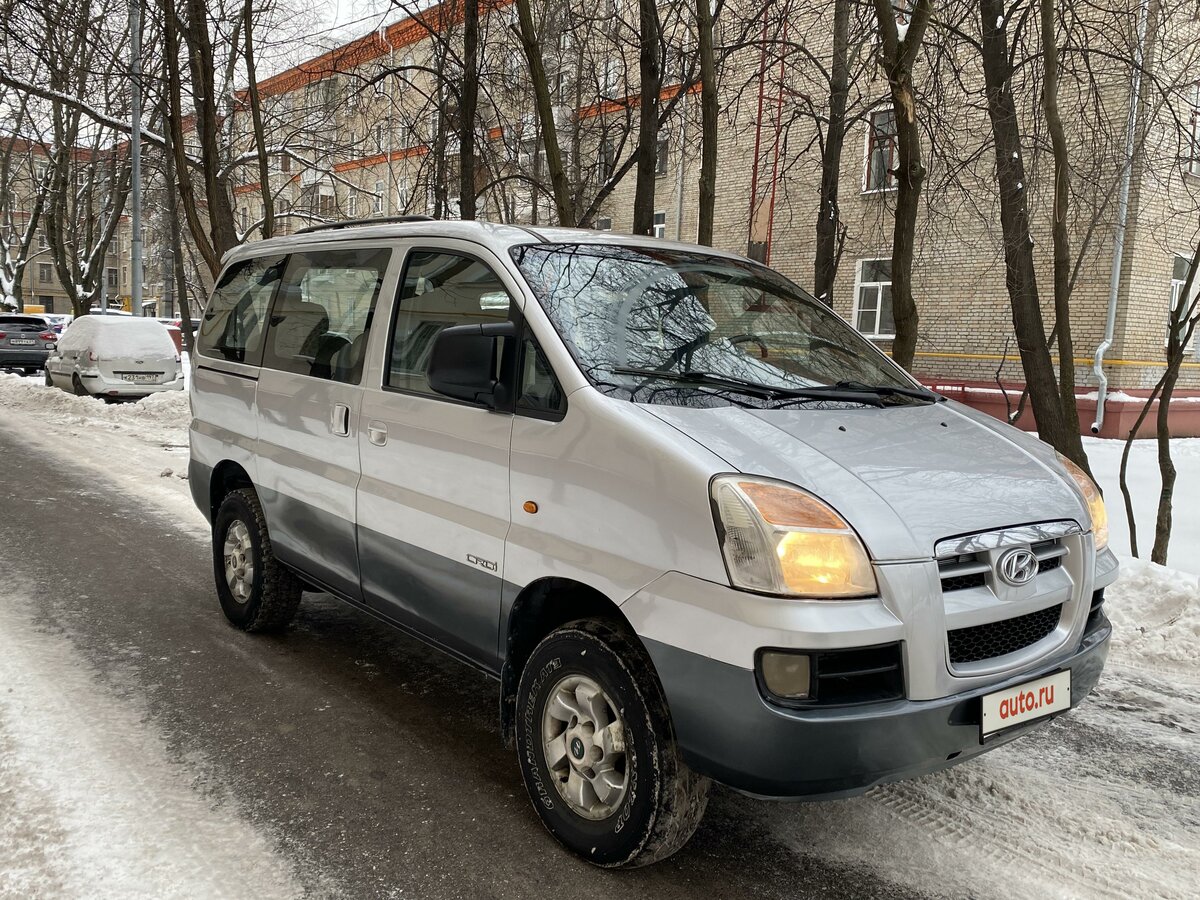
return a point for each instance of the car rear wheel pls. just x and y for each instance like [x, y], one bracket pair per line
[597, 749]
[257, 592]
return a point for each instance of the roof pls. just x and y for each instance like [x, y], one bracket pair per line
[496, 237]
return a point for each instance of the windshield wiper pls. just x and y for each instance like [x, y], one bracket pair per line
[755, 388]
[890, 390]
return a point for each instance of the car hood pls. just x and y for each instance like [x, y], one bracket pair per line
[904, 476]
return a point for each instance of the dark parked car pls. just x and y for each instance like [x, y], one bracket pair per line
[25, 341]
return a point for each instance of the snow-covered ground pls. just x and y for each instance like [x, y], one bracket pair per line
[1069, 811]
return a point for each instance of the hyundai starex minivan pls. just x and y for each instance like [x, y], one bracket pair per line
[694, 524]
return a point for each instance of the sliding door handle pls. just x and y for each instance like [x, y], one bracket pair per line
[376, 433]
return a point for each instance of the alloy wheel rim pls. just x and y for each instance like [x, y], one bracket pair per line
[583, 743]
[239, 561]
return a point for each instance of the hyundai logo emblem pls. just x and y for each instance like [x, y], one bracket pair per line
[1017, 567]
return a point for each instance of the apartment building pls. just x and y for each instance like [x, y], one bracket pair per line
[369, 129]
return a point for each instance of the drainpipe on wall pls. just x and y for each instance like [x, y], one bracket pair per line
[1114, 283]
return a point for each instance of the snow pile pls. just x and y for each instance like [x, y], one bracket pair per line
[1155, 613]
[119, 336]
[1144, 483]
[167, 408]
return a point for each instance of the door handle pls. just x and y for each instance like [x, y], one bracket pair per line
[339, 419]
[376, 433]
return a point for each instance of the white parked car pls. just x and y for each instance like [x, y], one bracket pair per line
[115, 357]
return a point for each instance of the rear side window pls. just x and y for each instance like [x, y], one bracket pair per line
[440, 289]
[235, 321]
[322, 314]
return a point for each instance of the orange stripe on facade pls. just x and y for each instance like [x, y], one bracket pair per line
[633, 101]
[378, 158]
[369, 47]
[246, 188]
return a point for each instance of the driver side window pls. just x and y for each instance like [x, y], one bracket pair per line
[439, 289]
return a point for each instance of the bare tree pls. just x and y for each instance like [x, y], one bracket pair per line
[650, 59]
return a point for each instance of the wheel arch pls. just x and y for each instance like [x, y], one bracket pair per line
[227, 476]
[538, 609]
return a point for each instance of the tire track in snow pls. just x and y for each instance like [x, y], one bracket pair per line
[90, 804]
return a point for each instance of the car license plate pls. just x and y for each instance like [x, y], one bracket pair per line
[139, 379]
[21, 342]
[1026, 702]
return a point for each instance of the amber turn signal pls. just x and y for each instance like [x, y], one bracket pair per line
[530, 507]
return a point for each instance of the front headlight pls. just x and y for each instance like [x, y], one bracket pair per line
[778, 539]
[1095, 502]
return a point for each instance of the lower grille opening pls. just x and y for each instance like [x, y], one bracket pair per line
[862, 675]
[994, 639]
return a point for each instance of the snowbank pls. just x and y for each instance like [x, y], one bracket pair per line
[1155, 613]
[1144, 483]
[168, 408]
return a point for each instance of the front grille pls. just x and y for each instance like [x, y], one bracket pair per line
[994, 639]
[1045, 565]
[962, 582]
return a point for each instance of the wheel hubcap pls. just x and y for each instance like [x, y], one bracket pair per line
[583, 739]
[239, 561]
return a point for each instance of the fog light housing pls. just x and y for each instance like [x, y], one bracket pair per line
[787, 675]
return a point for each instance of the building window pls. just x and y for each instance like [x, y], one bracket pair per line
[402, 195]
[245, 211]
[562, 85]
[604, 224]
[125, 276]
[873, 299]
[881, 152]
[381, 136]
[378, 204]
[45, 273]
[607, 163]
[285, 163]
[610, 78]
[660, 224]
[111, 277]
[660, 156]
[352, 205]
[1193, 162]
[1179, 274]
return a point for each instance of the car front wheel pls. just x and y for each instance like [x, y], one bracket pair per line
[597, 749]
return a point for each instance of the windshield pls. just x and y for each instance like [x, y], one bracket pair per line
[678, 323]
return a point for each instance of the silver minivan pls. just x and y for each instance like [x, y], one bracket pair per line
[695, 525]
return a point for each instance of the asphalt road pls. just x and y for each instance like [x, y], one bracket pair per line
[371, 763]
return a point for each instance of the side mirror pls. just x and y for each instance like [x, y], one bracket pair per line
[463, 362]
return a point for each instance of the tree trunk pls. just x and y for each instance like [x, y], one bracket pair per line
[829, 219]
[898, 56]
[202, 65]
[649, 59]
[178, 270]
[1184, 319]
[1061, 237]
[708, 123]
[466, 110]
[1020, 274]
[260, 139]
[545, 109]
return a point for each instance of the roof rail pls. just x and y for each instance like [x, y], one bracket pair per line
[354, 223]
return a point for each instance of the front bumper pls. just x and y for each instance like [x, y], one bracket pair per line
[730, 733]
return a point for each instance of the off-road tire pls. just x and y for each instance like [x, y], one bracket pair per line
[274, 591]
[664, 801]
